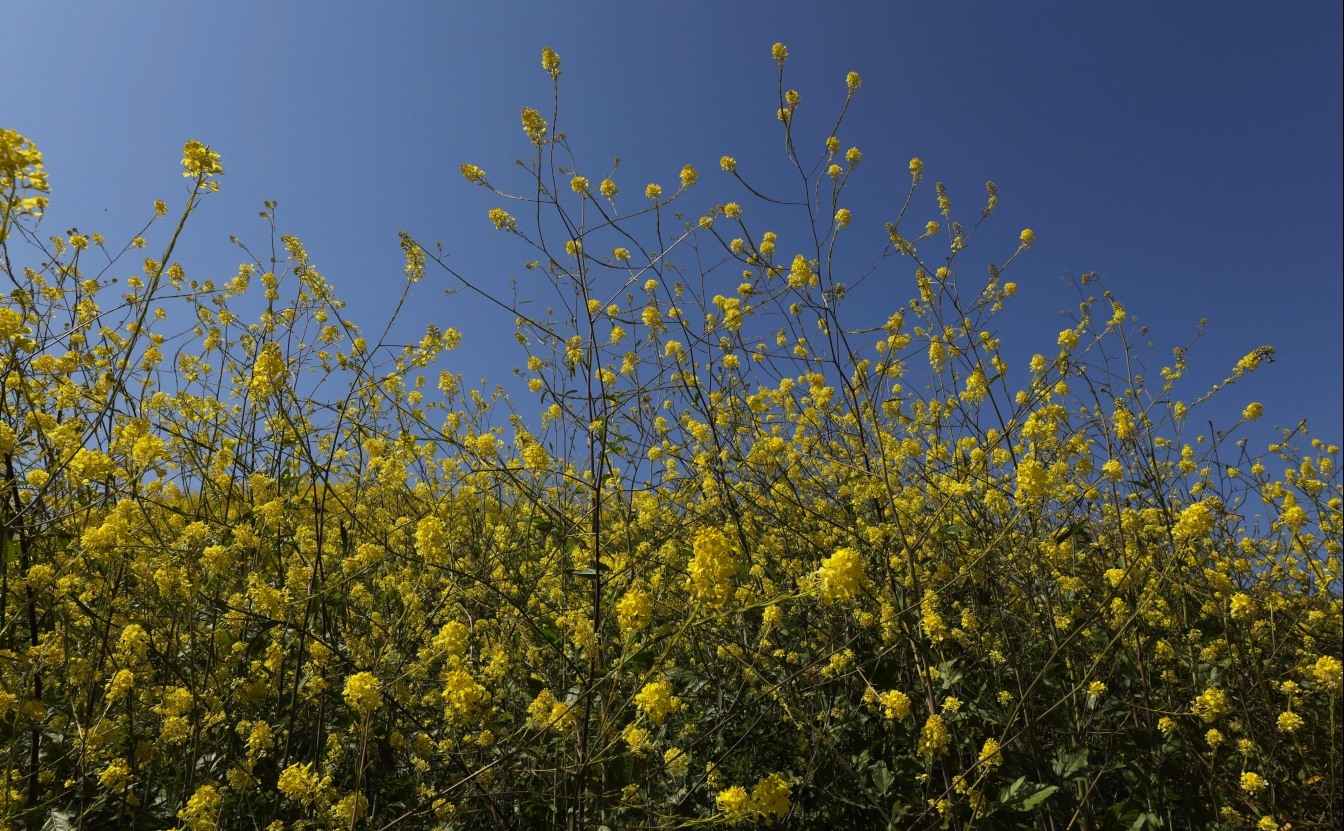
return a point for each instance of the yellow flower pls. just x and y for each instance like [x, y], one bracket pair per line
[688, 176]
[990, 755]
[895, 705]
[770, 798]
[853, 156]
[361, 693]
[842, 217]
[653, 191]
[299, 783]
[676, 761]
[534, 125]
[728, 163]
[1242, 607]
[916, 168]
[1027, 238]
[634, 611]
[779, 52]
[121, 684]
[1289, 722]
[712, 567]
[840, 575]
[462, 694]
[1194, 523]
[200, 161]
[1253, 783]
[734, 803]
[853, 81]
[501, 220]
[656, 701]
[800, 273]
[1328, 673]
[269, 372]
[933, 737]
[431, 539]
[202, 809]
[637, 739]
[1068, 338]
[473, 174]
[607, 188]
[579, 184]
[550, 62]
[116, 776]
[1253, 411]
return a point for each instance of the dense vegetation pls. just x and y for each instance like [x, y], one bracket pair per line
[732, 561]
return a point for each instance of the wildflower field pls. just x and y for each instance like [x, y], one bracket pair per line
[730, 560]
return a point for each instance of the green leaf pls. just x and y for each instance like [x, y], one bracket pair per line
[883, 779]
[1038, 797]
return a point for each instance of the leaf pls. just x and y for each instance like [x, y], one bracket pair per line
[1071, 763]
[883, 779]
[1038, 797]
[58, 821]
[1064, 533]
[1025, 796]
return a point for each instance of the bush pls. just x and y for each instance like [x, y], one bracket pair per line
[749, 565]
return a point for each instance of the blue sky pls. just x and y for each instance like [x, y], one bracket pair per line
[1190, 153]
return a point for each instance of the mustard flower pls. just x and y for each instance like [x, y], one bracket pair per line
[990, 755]
[534, 125]
[634, 611]
[933, 737]
[1328, 673]
[361, 693]
[840, 575]
[201, 809]
[712, 566]
[653, 191]
[734, 803]
[842, 217]
[473, 174]
[578, 184]
[550, 62]
[676, 762]
[199, 161]
[656, 701]
[779, 52]
[728, 163]
[1253, 783]
[1027, 237]
[608, 188]
[895, 705]
[853, 81]
[770, 798]
[688, 176]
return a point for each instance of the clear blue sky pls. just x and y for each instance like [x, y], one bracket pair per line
[1189, 152]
